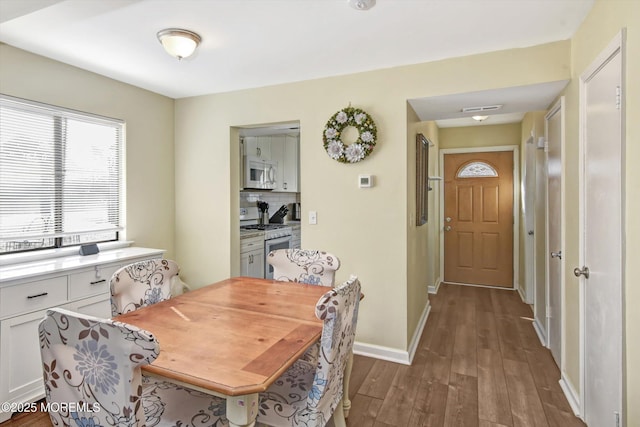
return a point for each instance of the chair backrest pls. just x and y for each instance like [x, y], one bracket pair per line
[304, 266]
[91, 369]
[141, 284]
[338, 308]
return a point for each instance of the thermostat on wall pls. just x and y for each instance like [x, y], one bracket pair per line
[365, 181]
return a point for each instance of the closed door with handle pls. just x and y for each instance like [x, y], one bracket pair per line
[478, 218]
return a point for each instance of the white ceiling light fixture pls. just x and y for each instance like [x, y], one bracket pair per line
[178, 42]
[361, 4]
[479, 118]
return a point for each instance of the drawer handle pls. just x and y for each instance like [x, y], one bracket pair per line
[37, 295]
[98, 281]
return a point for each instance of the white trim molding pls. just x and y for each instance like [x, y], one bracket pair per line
[542, 335]
[433, 289]
[570, 393]
[393, 354]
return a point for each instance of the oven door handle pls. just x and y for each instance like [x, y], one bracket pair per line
[278, 240]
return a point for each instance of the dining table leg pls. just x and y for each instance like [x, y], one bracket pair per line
[242, 410]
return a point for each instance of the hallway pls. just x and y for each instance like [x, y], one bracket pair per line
[479, 363]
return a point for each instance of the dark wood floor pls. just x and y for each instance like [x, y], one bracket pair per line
[479, 363]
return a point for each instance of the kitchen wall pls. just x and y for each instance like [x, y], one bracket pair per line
[150, 191]
[369, 229]
[275, 200]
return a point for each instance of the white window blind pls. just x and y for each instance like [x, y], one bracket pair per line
[60, 176]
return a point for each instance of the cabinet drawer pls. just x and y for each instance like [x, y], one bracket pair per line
[251, 244]
[91, 282]
[33, 296]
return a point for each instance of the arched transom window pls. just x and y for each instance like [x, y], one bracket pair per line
[477, 170]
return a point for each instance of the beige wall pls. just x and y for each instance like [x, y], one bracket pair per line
[480, 136]
[601, 25]
[417, 236]
[149, 153]
[367, 229]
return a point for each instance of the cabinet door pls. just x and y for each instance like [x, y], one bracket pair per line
[20, 363]
[252, 263]
[257, 264]
[277, 154]
[258, 146]
[290, 161]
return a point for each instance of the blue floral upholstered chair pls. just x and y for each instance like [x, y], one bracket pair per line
[309, 395]
[310, 267]
[141, 284]
[304, 266]
[92, 377]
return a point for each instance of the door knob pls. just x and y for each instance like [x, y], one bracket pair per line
[556, 254]
[581, 272]
[447, 228]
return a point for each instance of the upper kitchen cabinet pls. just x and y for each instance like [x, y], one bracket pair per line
[285, 150]
[258, 146]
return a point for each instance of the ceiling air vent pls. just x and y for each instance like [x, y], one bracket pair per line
[481, 108]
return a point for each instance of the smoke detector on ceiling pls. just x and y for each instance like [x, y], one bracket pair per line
[362, 4]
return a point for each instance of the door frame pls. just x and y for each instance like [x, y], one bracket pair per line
[516, 200]
[615, 46]
[557, 108]
[529, 215]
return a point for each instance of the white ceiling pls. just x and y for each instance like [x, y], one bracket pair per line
[253, 43]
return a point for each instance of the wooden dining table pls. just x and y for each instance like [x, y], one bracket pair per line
[232, 339]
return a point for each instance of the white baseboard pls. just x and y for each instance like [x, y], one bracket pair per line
[433, 289]
[392, 354]
[542, 335]
[570, 393]
[522, 296]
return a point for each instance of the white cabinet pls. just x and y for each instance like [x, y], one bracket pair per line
[258, 146]
[284, 149]
[252, 257]
[27, 290]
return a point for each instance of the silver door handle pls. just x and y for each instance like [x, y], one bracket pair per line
[581, 272]
[447, 228]
[556, 254]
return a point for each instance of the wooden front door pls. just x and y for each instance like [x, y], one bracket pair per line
[478, 218]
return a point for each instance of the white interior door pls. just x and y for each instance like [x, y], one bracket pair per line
[554, 127]
[602, 231]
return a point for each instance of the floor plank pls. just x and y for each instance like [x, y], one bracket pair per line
[526, 407]
[462, 401]
[379, 379]
[493, 398]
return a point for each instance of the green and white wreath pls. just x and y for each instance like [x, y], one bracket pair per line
[358, 150]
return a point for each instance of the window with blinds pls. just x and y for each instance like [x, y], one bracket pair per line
[60, 176]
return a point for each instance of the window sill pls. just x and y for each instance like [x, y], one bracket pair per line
[24, 257]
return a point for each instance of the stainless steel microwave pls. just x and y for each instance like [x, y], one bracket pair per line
[259, 173]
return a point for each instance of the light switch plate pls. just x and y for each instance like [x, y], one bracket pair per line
[313, 217]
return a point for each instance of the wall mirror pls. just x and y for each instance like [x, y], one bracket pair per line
[422, 178]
